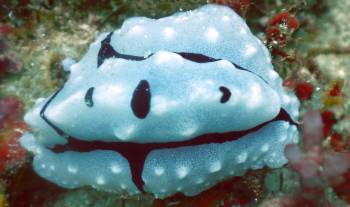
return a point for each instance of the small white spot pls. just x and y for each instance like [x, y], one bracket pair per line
[163, 190]
[207, 184]
[225, 18]
[242, 157]
[159, 171]
[43, 166]
[179, 188]
[255, 91]
[225, 64]
[189, 131]
[232, 172]
[72, 169]
[123, 186]
[163, 57]
[199, 181]
[100, 180]
[282, 138]
[243, 31]
[182, 172]
[137, 29]
[52, 167]
[212, 34]
[116, 169]
[273, 154]
[250, 50]
[265, 148]
[204, 90]
[124, 133]
[286, 99]
[273, 75]
[215, 167]
[168, 32]
[162, 105]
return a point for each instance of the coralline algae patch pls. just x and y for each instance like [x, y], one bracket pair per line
[155, 109]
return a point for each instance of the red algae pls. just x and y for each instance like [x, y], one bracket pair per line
[304, 90]
[280, 27]
[279, 31]
[329, 120]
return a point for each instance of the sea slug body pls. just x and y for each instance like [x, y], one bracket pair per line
[162, 106]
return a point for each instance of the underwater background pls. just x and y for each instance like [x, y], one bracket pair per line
[310, 45]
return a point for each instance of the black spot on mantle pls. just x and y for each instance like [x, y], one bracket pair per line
[88, 97]
[141, 100]
[226, 94]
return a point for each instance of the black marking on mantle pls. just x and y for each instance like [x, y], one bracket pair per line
[136, 153]
[141, 99]
[88, 97]
[226, 94]
[43, 116]
[107, 51]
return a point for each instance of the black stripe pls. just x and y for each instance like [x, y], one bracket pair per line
[43, 116]
[136, 153]
[199, 58]
[106, 51]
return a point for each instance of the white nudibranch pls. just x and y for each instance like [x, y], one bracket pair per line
[203, 105]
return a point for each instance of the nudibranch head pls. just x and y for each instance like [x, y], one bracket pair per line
[162, 106]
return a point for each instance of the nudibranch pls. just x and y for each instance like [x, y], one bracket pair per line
[162, 106]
